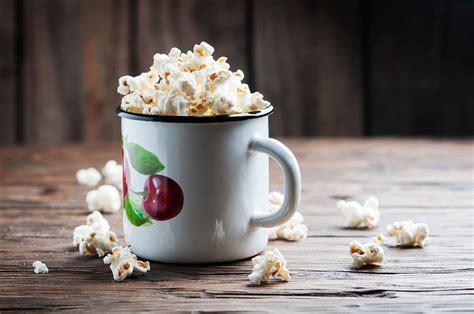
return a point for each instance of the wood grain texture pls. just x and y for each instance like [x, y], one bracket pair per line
[163, 25]
[74, 53]
[8, 73]
[418, 77]
[105, 55]
[421, 180]
[308, 64]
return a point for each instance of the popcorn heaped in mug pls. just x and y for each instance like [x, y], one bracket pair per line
[123, 263]
[361, 215]
[89, 176]
[106, 199]
[409, 233]
[189, 84]
[367, 254]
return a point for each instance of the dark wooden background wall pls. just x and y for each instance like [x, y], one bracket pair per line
[342, 68]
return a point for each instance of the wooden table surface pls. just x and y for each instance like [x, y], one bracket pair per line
[422, 180]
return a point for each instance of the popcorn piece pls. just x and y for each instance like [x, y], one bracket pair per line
[106, 199]
[409, 233]
[367, 254]
[95, 236]
[40, 267]
[276, 198]
[95, 222]
[112, 172]
[96, 243]
[80, 232]
[89, 176]
[270, 263]
[292, 230]
[357, 215]
[123, 263]
[190, 83]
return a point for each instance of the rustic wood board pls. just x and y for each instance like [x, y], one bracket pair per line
[418, 55]
[422, 180]
[307, 60]
[8, 72]
[75, 51]
[162, 25]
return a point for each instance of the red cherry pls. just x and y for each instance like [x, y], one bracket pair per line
[125, 174]
[164, 198]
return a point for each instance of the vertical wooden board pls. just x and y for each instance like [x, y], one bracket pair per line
[8, 78]
[183, 23]
[404, 48]
[457, 74]
[52, 76]
[105, 54]
[75, 51]
[308, 64]
[421, 56]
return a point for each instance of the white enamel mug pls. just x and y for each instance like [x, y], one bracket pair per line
[196, 188]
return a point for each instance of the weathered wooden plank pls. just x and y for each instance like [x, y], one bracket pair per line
[52, 70]
[419, 53]
[308, 64]
[74, 53]
[105, 54]
[8, 73]
[166, 24]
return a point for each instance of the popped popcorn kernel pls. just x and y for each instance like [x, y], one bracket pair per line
[40, 267]
[185, 81]
[269, 264]
[89, 176]
[367, 254]
[356, 215]
[112, 172]
[123, 263]
[97, 243]
[408, 233]
[293, 229]
[106, 199]
[95, 237]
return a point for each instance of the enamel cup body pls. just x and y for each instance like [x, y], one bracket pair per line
[193, 190]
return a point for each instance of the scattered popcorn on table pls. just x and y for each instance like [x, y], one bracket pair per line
[269, 264]
[367, 254]
[112, 173]
[189, 84]
[106, 199]
[95, 222]
[95, 237]
[409, 233]
[356, 215]
[40, 268]
[123, 263]
[293, 229]
[89, 176]
[97, 243]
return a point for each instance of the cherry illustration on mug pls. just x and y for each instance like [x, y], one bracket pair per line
[162, 197]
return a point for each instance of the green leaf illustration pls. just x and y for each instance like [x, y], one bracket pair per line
[142, 160]
[134, 212]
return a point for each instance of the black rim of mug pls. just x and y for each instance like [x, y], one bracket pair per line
[194, 119]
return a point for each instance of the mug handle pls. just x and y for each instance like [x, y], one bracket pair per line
[291, 171]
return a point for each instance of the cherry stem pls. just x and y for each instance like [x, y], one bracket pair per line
[142, 194]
